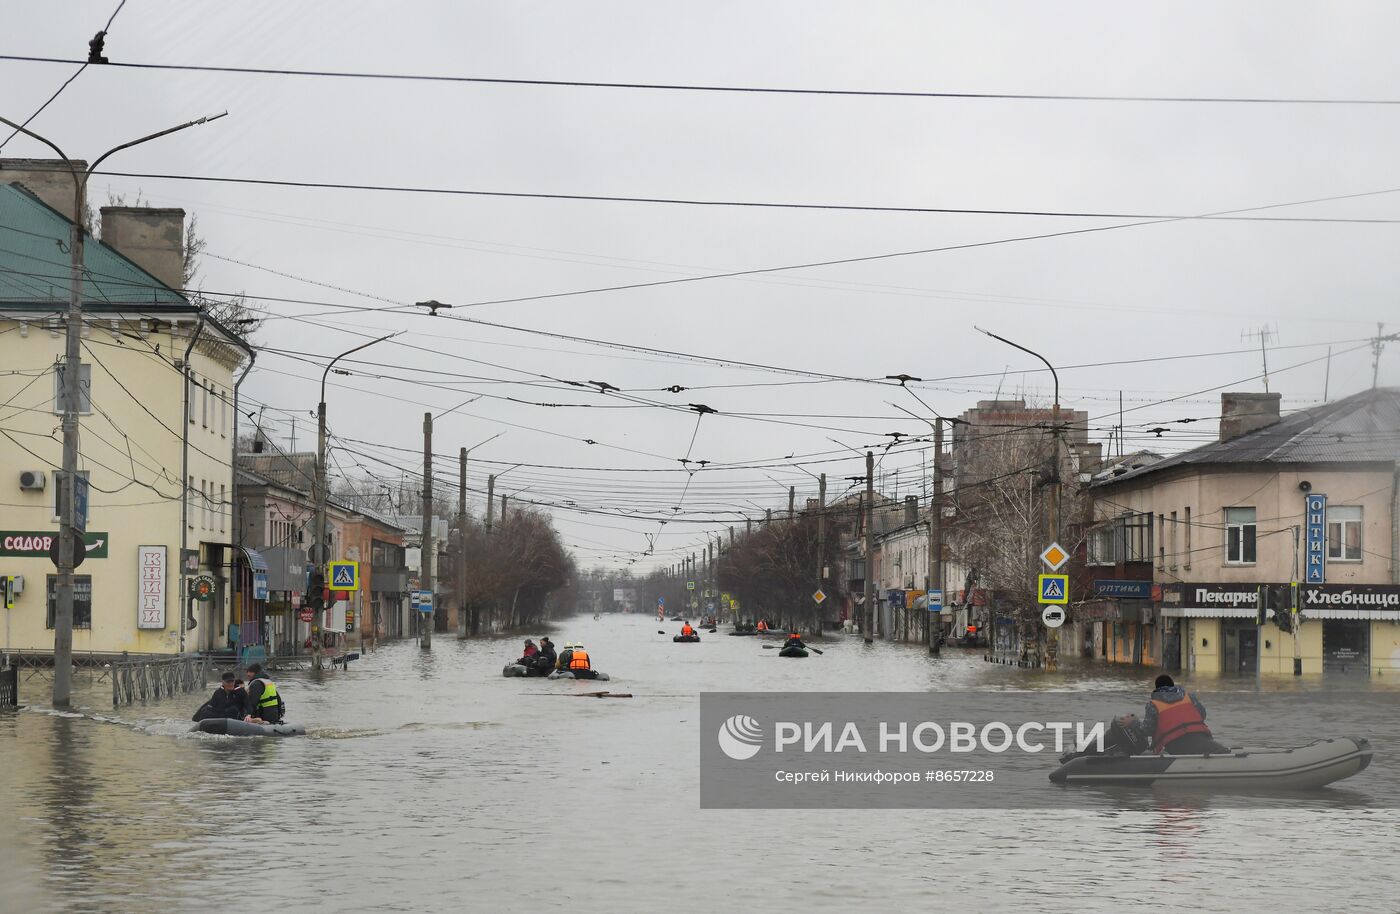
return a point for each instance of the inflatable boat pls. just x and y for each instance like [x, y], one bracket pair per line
[1302, 768]
[520, 669]
[792, 652]
[579, 674]
[686, 638]
[230, 726]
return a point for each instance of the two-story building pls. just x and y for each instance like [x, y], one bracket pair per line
[1219, 534]
[157, 425]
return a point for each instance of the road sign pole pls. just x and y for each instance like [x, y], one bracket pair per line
[425, 560]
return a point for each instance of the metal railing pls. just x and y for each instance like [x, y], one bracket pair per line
[9, 687]
[153, 678]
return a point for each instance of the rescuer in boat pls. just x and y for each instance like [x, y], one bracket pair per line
[574, 659]
[228, 700]
[265, 706]
[794, 640]
[686, 630]
[1176, 721]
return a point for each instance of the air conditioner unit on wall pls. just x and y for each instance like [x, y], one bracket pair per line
[33, 479]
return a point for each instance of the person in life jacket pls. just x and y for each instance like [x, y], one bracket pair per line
[1176, 721]
[686, 630]
[578, 659]
[762, 626]
[793, 640]
[264, 704]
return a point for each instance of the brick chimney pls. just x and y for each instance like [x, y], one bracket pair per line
[47, 179]
[911, 509]
[153, 238]
[1242, 413]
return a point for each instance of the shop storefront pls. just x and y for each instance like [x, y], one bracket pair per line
[1360, 626]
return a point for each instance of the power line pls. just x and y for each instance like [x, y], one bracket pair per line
[751, 204]
[697, 87]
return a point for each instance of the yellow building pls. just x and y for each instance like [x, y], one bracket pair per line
[1225, 529]
[157, 425]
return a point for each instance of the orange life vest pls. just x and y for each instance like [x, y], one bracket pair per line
[763, 627]
[687, 631]
[579, 661]
[1176, 719]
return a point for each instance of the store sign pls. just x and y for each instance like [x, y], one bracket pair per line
[151, 564]
[1124, 590]
[1232, 596]
[260, 585]
[1349, 596]
[36, 544]
[1316, 511]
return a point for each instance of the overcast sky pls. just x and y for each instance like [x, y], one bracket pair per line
[1181, 288]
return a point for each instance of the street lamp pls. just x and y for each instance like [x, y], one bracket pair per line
[63, 587]
[1052, 639]
[320, 556]
[463, 626]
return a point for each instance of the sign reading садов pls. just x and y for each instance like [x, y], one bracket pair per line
[36, 544]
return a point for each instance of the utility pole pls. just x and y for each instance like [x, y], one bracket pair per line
[935, 540]
[463, 629]
[425, 561]
[821, 543]
[869, 547]
[490, 500]
[792, 502]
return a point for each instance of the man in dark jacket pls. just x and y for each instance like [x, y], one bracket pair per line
[548, 656]
[228, 700]
[1176, 721]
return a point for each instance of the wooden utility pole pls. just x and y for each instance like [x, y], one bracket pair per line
[935, 540]
[463, 628]
[792, 502]
[869, 547]
[425, 560]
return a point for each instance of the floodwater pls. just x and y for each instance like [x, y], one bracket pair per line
[432, 783]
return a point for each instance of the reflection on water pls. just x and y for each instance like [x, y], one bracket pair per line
[432, 783]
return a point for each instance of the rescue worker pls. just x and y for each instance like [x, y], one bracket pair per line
[686, 630]
[762, 626]
[264, 704]
[562, 663]
[793, 640]
[578, 660]
[1176, 721]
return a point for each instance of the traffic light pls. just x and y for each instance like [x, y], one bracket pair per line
[7, 591]
[1284, 620]
[316, 592]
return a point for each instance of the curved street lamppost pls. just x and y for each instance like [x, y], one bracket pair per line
[320, 553]
[1052, 638]
[67, 538]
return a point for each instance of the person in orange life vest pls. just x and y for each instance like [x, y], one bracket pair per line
[793, 640]
[686, 630]
[762, 626]
[578, 659]
[1176, 721]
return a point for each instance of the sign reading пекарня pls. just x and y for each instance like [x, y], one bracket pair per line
[37, 543]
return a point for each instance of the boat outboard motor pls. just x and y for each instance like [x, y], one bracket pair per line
[1123, 736]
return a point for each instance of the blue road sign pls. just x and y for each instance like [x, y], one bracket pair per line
[1054, 588]
[80, 503]
[343, 575]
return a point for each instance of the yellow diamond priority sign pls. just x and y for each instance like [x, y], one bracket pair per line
[1054, 556]
[819, 597]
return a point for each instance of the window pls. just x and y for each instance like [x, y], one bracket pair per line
[223, 414]
[60, 402]
[1239, 536]
[1161, 542]
[1343, 533]
[58, 501]
[223, 515]
[1174, 553]
[189, 493]
[189, 398]
[82, 600]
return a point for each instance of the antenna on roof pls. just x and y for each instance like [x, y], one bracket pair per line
[1263, 333]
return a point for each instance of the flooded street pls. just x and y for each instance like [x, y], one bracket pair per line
[432, 783]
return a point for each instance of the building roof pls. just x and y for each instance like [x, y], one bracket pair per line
[35, 269]
[287, 475]
[35, 263]
[1362, 428]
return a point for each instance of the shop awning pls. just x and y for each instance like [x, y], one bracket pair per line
[255, 559]
[1210, 612]
[1362, 615]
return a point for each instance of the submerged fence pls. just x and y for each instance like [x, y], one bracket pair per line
[150, 679]
[9, 687]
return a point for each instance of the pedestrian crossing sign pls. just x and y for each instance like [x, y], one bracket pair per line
[343, 575]
[1054, 588]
